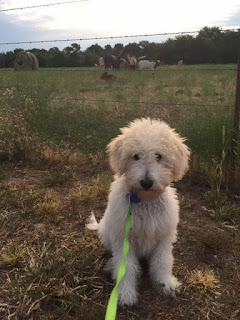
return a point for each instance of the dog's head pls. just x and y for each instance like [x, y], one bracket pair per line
[150, 154]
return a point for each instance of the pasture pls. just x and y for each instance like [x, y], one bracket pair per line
[55, 125]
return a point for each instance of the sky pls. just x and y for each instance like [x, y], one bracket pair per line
[101, 18]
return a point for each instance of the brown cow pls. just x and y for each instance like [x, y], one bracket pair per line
[106, 76]
[112, 61]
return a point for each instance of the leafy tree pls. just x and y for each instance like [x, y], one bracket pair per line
[9, 59]
[67, 51]
[2, 60]
[76, 47]
[95, 48]
[118, 49]
[211, 45]
[132, 49]
[91, 59]
[43, 58]
[228, 47]
[210, 33]
[17, 50]
[108, 49]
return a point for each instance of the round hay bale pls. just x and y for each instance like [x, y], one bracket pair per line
[25, 61]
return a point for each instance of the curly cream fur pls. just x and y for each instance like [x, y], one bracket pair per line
[147, 150]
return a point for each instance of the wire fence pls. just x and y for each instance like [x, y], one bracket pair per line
[97, 69]
[159, 104]
[179, 69]
[112, 37]
[155, 103]
[42, 5]
[147, 103]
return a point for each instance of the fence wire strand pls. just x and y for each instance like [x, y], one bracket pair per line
[179, 69]
[42, 5]
[110, 37]
[97, 69]
[157, 103]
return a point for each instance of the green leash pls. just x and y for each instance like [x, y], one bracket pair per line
[113, 300]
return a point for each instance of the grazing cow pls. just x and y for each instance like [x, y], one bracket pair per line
[123, 64]
[101, 63]
[106, 76]
[111, 61]
[148, 65]
[131, 62]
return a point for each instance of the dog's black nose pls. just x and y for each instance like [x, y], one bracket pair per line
[146, 184]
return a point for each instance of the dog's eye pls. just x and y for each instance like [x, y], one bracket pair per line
[158, 156]
[136, 157]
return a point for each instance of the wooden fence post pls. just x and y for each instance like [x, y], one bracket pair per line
[236, 121]
[236, 130]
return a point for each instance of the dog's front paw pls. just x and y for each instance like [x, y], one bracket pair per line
[127, 297]
[168, 287]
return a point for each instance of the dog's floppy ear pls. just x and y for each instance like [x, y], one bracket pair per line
[181, 158]
[115, 151]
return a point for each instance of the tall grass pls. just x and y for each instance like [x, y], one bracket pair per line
[204, 127]
[76, 109]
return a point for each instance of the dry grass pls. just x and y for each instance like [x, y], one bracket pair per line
[52, 268]
[96, 190]
[57, 276]
[50, 210]
[12, 255]
[204, 280]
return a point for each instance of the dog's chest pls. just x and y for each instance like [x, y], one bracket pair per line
[148, 219]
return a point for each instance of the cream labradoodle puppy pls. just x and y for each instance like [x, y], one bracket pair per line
[146, 158]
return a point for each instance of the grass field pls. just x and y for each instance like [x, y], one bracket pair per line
[182, 98]
[55, 125]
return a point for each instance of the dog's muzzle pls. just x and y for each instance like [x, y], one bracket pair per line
[146, 184]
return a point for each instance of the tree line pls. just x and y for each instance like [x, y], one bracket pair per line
[210, 45]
